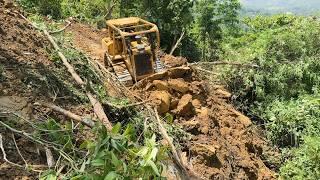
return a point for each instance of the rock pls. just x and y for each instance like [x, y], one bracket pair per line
[172, 61]
[196, 103]
[185, 107]
[174, 103]
[179, 72]
[162, 100]
[161, 85]
[8, 5]
[203, 112]
[223, 93]
[242, 118]
[245, 120]
[179, 85]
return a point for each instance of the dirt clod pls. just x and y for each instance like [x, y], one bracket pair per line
[178, 85]
[161, 85]
[185, 107]
[161, 99]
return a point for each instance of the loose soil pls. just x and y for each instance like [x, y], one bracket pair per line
[27, 75]
[225, 144]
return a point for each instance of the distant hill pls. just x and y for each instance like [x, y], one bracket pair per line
[301, 7]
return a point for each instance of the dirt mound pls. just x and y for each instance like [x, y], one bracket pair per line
[224, 144]
[26, 75]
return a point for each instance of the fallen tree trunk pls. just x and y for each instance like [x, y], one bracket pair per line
[97, 107]
[68, 114]
[224, 63]
[187, 172]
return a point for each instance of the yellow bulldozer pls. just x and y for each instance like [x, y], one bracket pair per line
[130, 49]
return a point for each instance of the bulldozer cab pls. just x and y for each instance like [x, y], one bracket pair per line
[130, 48]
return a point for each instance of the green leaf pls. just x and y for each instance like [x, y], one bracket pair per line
[143, 151]
[115, 161]
[129, 132]
[153, 154]
[154, 167]
[97, 162]
[116, 129]
[169, 118]
[49, 177]
[111, 175]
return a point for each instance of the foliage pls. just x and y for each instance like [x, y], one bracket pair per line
[289, 121]
[115, 155]
[285, 48]
[212, 19]
[305, 162]
[283, 91]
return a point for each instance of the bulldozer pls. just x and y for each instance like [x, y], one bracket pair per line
[131, 48]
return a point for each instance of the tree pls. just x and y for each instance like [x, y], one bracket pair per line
[213, 18]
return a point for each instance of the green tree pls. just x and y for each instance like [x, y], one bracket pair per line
[213, 18]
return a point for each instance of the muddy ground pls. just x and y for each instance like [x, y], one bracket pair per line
[225, 144]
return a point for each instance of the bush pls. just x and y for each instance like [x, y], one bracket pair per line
[284, 91]
[286, 51]
[305, 162]
[289, 121]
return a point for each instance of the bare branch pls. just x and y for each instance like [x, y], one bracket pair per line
[62, 29]
[97, 107]
[67, 113]
[15, 143]
[224, 63]
[177, 43]
[5, 155]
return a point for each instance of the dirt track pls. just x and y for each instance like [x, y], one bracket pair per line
[225, 144]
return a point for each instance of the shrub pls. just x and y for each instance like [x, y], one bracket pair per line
[305, 163]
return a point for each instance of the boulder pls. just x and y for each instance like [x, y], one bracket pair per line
[185, 107]
[162, 100]
[178, 85]
[161, 85]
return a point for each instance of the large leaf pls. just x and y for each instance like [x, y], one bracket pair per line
[154, 167]
[111, 175]
[98, 162]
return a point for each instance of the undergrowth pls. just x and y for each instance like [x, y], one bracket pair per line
[283, 92]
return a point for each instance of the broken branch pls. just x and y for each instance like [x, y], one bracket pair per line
[187, 172]
[97, 107]
[15, 143]
[177, 43]
[62, 29]
[5, 155]
[68, 114]
[224, 63]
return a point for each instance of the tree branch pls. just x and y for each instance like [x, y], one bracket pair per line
[97, 107]
[224, 63]
[177, 43]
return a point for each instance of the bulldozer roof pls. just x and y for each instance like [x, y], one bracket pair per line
[132, 26]
[124, 21]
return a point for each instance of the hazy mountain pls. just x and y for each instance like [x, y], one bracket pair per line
[305, 7]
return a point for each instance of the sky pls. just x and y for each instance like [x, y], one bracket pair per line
[276, 6]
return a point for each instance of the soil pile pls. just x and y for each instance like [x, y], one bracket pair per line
[26, 76]
[23, 63]
[225, 144]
